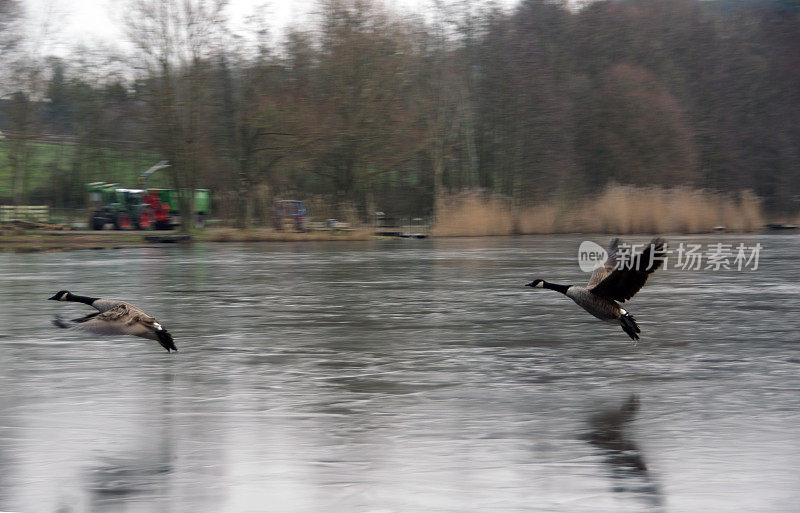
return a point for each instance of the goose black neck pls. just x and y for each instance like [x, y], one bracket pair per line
[82, 299]
[555, 286]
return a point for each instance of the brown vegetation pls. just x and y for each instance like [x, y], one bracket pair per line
[618, 210]
[30, 241]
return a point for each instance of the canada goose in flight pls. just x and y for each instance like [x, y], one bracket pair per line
[114, 318]
[611, 282]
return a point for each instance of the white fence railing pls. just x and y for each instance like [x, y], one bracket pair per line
[37, 213]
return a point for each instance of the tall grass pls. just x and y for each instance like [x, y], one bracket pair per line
[617, 210]
[472, 213]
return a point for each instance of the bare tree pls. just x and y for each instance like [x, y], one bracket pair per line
[364, 83]
[449, 95]
[262, 118]
[175, 40]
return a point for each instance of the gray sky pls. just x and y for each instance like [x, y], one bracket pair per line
[64, 23]
[58, 25]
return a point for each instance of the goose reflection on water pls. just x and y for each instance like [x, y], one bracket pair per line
[115, 479]
[622, 456]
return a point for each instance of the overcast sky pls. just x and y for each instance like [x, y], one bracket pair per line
[63, 23]
[69, 22]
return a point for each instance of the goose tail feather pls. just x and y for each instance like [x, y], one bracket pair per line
[630, 326]
[165, 339]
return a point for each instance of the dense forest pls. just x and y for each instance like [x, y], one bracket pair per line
[368, 109]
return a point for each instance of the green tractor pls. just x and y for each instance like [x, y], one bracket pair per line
[120, 207]
[140, 209]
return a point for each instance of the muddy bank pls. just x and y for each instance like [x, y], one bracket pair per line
[44, 240]
[269, 235]
[31, 242]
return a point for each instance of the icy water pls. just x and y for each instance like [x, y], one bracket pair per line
[398, 376]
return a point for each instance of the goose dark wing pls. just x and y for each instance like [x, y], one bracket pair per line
[608, 266]
[623, 283]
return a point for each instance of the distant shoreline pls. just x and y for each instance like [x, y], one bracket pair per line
[35, 242]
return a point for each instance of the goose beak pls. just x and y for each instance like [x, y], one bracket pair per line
[527, 285]
[54, 298]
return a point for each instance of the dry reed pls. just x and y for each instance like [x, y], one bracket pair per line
[472, 214]
[618, 210]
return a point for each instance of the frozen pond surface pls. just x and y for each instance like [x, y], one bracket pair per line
[398, 376]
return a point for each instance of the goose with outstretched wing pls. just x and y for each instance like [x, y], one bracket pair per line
[114, 317]
[614, 282]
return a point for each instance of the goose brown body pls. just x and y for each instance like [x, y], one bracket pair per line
[115, 317]
[612, 284]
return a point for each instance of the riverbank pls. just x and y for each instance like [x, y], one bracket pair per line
[269, 235]
[37, 241]
[31, 241]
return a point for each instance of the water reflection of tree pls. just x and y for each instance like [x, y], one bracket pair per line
[624, 458]
[142, 473]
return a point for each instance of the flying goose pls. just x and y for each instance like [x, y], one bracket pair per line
[114, 318]
[611, 282]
